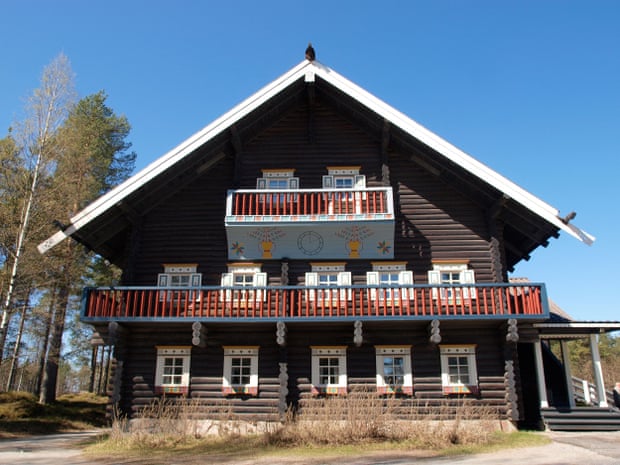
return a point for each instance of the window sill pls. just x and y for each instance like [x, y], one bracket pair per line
[175, 390]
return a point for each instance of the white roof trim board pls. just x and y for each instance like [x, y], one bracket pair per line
[308, 69]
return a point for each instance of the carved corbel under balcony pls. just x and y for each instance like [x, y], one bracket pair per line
[281, 333]
[357, 333]
[434, 332]
[512, 332]
[199, 334]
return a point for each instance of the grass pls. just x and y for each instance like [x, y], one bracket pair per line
[254, 449]
[22, 415]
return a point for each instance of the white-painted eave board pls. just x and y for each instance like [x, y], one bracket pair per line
[451, 152]
[308, 69]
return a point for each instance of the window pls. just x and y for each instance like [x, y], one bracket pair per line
[344, 178]
[172, 371]
[385, 279]
[182, 275]
[458, 369]
[452, 274]
[242, 275]
[329, 370]
[332, 277]
[278, 179]
[394, 370]
[240, 370]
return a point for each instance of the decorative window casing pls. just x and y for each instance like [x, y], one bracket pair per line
[329, 370]
[172, 370]
[459, 374]
[279, 180]
[384, 279]
[453, 274]
[243, 275]
[394, 374]
[240, 370]
[345, 178]
[332, 277]
[178, 275]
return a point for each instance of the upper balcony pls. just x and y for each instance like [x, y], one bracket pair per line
[310, 223]
[299, 303]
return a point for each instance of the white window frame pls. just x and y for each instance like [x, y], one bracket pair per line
[357, 181]
[171, 277]
[164, 354]
[242, 352]
[339, 353]
[279, 176]
[455, 294]
[333, 293]
[390, 294]
[466, 351]
[384, 352]
[238, 296]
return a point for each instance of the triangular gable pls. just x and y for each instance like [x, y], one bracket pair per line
[309, 71]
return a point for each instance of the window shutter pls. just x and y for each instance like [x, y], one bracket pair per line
[405, 277]
[467, 277]
[260, 280]
[261, 183]
[344, 279]
[163, 279]
[434, 277]
[293, 183]
[360, 181]
[312, 279]
[372, 279]
[328, 182]
[227, 281]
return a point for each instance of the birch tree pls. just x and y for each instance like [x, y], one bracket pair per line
[34, 138]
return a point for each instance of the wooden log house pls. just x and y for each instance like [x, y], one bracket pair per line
[314, 240]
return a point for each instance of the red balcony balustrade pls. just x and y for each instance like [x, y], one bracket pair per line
[309, 202]
[297, 302]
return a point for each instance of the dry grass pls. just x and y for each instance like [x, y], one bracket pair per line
[361, 418]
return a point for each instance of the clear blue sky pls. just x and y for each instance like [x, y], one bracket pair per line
[530, 88]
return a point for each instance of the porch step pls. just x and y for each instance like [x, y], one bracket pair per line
[581, 419]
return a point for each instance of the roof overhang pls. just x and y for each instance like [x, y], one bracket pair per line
[575, 329]
[307, 72]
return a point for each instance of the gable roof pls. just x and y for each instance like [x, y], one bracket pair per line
[86, 226]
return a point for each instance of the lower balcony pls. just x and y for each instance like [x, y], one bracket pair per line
[291, 303]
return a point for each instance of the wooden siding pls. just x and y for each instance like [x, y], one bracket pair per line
[434, 221]
[139, 354]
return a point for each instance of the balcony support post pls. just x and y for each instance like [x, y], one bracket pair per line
[540, 375]
[598, 371]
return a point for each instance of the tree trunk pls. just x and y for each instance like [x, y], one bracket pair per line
[50, 374]
[18, 341]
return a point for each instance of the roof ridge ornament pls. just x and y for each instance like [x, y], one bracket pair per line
[310, 54]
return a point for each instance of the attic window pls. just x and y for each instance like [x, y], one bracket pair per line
[278, 179]
[344, 177]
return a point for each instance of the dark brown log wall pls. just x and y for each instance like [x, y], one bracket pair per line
[137, 390]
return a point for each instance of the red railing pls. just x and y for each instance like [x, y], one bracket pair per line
[290, 302]
[309, 202]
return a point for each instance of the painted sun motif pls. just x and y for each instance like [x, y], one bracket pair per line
[384, 247]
